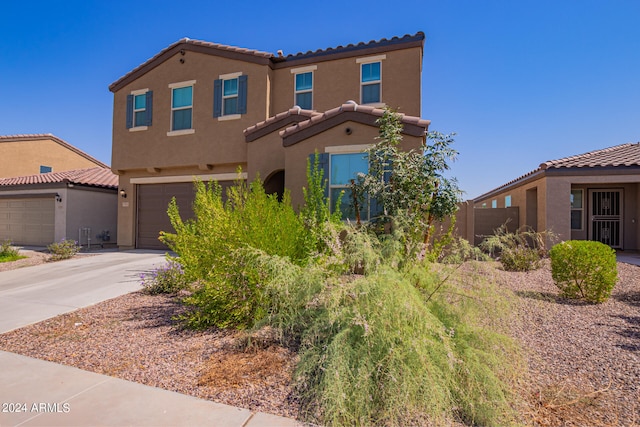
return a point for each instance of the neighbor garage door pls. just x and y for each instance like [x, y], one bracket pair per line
[153, 200]
[28, 221]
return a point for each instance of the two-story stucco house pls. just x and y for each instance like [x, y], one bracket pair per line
[203, 110]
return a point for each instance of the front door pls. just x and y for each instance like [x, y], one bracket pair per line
[605, 216]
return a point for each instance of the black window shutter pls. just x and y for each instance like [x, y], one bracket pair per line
[217, 98]
[129, 111]
[242, 94]
[323, 163]
[149, 101]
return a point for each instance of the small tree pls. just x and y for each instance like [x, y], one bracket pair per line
[411, 184]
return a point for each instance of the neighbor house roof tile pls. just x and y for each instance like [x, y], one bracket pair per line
[95, 177]
[623, 155]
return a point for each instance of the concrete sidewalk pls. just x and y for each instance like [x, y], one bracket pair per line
[38, 393]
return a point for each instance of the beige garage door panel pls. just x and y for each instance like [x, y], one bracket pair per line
[27, 221]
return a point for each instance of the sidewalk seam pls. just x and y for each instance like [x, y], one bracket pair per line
[249, 418]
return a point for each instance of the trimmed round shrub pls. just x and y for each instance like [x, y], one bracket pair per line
[584, 269]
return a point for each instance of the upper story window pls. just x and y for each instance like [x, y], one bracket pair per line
[45, 169]
[371, 79]
[182, 106]
[303, 86]
[139, 109]
[507, 201]
[230, 96]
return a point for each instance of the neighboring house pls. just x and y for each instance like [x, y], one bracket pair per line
[203, 110]
[45, 208]
[591, 196]
[22, 155]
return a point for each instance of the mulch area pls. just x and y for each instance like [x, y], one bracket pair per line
[583, 360]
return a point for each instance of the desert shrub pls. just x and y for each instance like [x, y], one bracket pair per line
[584, 269]
[167, 279]
[9, 253]
[521, 250]
[64, 249]
[378, 353]
[212, 248]
[460, 250]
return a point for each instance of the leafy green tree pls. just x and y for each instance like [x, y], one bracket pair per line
[411, 186]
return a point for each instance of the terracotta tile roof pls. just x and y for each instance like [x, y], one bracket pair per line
[623, 155]
[94, 177]
[295, 114]
[355, 112]
[40, 136]
[619, 155]
[258, 56]
[418, 37]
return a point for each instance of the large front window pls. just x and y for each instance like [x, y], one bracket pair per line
[181, 108]
[371, 83]
[343, 169]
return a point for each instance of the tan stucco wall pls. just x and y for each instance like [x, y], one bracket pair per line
[338, 81]
[554, 204]
[24, 157]
[296, 155]
[96, 210]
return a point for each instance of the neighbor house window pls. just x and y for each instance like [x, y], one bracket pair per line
[507, 201]
[494, 204]
[371, 82]
[343, 168]
[230, 96]
[576, 209]
[182, 106]
[45, 169]
[139, 109]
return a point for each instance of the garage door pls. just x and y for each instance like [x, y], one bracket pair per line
[27, 221]
[153, 200]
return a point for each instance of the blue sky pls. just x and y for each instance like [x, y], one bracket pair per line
[519, 81]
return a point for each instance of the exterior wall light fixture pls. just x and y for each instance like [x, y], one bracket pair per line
[123, 194]
[58, 198]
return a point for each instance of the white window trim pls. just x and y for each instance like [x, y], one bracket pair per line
[296, 92]
[223, 77]
[371, 60]
[368, 59]
[228, 117]
[301, 70]
[179, 85]
[181, 131]
[133, 119]
[188, 178]
[347, 149]
[581, 208]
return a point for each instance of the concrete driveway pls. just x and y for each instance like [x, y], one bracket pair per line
[30, 295]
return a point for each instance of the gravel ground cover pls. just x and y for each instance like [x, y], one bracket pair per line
[583, 360]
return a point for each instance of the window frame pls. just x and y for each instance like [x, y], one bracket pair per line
[341, 151]
[368, 61]
[131, 112]
[507, 201]
[239, 111]
[577, 208]
[174, 87]
[300, 71]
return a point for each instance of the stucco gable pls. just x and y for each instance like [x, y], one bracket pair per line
[272, 124]
[50, 137]
[364, 114]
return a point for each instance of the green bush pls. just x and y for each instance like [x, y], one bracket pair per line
[64, 249]
[521, 250]
[168, 279]
[460, 250]
[584, 269]
[9, 253]
[212, 249]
